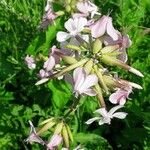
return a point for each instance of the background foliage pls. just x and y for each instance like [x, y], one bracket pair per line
[21, 100]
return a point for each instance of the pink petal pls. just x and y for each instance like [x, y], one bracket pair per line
[90, 80]
[81, 7]
[98, 29]
[118, 96]
[79, 77]
[111, 31]
[55, 141]
[90, 92]
[49, 64]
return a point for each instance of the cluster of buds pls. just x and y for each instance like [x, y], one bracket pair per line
[87, 47]
[61, 134]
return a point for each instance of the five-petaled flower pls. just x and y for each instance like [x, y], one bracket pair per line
[74, 26]
[107, 116]
[120, 96]
[84, 82]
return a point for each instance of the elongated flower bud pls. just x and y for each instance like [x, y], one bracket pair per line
[69, 60]
[137, 86]
[46, 121]
[101, 80]
[100, 96]
[58, 128]
[65, 136]
[97, 46]
[109, 49]
[71, 67]
[138, 73]
[69, 133]
[115, 62]
[88, 66]
[73, 47]
[47, 126]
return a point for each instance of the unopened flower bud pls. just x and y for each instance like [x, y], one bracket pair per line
[47, 126]
[115, 62]
[71, 67]
[109, 49]
[65, 136]
[97, 46]
[69, 133]
[73, 47]
[58, 128]
[100, 96]
[88, 66]
[60, 13]
[101, 80]
[69, 60]
[68, 8]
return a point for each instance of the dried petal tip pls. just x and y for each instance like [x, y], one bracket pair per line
[138, 73]
[137, 86]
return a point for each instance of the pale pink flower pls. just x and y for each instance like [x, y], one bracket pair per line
[33, 137]
[74, 26]
[124, 43]
[49, 15]
[84, 82]
[52, 60]
[54, 142]
[107, 116]
[44, 74]
[86, 8]
[102, 26]
[120, 96]
[29, 60]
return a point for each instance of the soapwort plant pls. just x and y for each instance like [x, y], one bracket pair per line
[83, 54]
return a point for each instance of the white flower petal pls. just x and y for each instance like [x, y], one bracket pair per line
[90, 92]
[69, 25]
[102, 111]
[120, 115]
[42, 81]
[79, 75]
[112, 110]
[81, 23]
[62, 36]
[92, 120]
[90, 80]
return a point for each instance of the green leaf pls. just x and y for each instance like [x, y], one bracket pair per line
[90, 138]
[61, 92]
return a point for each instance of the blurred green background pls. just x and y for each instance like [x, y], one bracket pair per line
[21, 100]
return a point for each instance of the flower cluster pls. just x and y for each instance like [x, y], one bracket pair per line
[87, 47]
